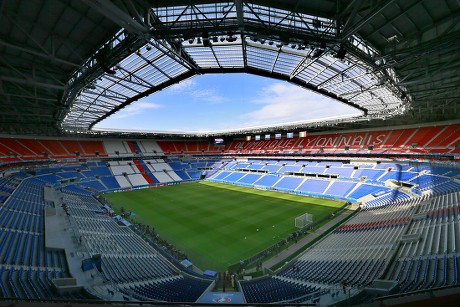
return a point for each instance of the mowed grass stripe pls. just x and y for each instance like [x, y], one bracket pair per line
[216, 224]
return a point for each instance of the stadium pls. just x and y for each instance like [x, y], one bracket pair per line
[349, 210]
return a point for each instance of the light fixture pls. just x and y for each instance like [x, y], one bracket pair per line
[317, 53]
[230, 37]
[316, 23]
[206, 39]
[341, 52]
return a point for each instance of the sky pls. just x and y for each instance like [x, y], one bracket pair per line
[219, 102]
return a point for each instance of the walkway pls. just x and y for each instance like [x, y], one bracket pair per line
[61, 234]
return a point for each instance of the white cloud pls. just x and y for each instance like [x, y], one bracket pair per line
[207, 95]
[282, 103]
[136, 108]
[185, 85]
[196, 92]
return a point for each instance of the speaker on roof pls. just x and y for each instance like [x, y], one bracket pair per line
[341, 52]
[317, 23]
[370, 147]
[347, 147]
[102, 59]
[206, 39]
[77, 153]
[97, 260]
[96, 153]
[86, 265]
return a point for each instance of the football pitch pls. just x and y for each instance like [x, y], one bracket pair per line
[215, 224]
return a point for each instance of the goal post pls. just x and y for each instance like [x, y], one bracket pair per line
[303, 220]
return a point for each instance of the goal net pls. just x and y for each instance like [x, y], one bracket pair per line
[303, 220]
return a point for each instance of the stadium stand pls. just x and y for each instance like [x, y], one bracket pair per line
[430, 139]
[27, 266]
[67, 66]
[276, 289]
[399, 199]
[387, 216]
[425, 139]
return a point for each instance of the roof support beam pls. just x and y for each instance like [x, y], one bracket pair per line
[38, 54]
[389, 21]
[353, 28]
[175, 49]
[354, 6]
[239, 13]
[29, 97]
[32, 82]
[114, 13]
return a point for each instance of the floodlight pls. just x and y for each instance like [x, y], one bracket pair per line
[341, 53]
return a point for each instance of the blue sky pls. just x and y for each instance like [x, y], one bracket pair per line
[225, 102]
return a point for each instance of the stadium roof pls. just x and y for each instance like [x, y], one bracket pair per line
[67, 65]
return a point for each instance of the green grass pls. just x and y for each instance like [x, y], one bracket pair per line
[216, 224]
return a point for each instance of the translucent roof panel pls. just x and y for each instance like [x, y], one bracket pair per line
[261, 58]
[196, 46]
[229, 56]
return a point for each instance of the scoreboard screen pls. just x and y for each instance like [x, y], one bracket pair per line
[219, 141]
